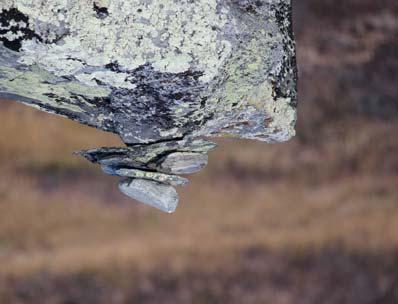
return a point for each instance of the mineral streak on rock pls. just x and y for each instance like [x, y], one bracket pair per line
[159, 73]
[172, 180]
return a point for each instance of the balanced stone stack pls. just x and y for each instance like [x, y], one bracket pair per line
[162, 74]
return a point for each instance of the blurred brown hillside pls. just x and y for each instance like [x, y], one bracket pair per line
[311, 221]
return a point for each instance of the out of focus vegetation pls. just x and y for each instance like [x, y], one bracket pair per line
[314, 220]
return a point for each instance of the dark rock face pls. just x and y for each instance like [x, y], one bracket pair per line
[162, 78]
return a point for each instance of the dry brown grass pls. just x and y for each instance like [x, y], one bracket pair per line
[68, 217]
[35, 139]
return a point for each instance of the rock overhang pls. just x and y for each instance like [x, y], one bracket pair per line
[154, 71]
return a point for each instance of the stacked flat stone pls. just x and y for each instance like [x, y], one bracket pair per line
[160, 73]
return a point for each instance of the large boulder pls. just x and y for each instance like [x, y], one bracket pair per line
[159, 73]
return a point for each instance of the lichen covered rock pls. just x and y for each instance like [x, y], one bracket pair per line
[158, 73]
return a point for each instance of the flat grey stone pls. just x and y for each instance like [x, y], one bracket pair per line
[152, 193]
[183, 163]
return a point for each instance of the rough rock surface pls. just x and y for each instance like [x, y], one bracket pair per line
[159, 73]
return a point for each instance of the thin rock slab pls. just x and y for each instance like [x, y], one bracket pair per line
[168, 179]
[145, 156]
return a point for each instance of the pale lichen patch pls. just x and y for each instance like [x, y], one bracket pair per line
[168, 34]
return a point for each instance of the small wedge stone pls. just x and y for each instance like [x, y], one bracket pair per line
[158, 195]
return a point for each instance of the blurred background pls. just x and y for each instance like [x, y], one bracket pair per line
[312, 221]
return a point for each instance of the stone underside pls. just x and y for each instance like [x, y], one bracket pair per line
[159, 73]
